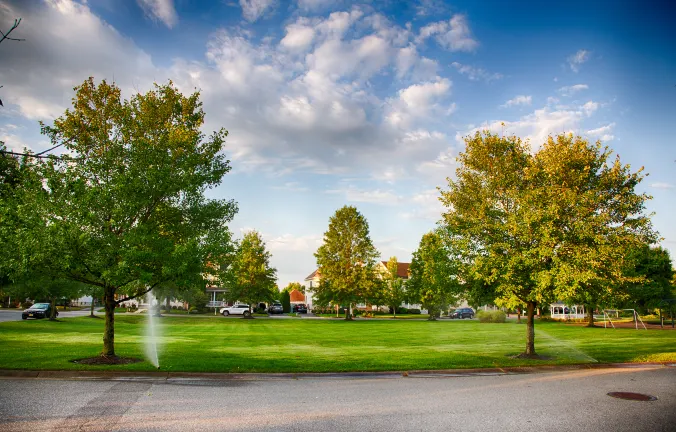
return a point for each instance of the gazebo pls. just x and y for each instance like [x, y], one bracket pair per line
[562, 311]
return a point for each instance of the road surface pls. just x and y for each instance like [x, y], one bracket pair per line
[552, 401]
[15, 314]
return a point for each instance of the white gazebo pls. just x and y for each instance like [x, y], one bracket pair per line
[564, 312]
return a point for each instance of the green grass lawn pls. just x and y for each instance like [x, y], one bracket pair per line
[297, 345]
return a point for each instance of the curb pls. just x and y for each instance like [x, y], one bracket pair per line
[202, 376]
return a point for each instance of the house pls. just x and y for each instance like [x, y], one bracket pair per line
[314, 279]
[296, 297]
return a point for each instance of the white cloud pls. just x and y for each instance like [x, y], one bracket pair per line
[454, 35]
[476, 74]
[417, 101]
[313, 5]
[576, 60]
[424, 205]
[604, 133]
[539, 124]
[518, 100]
[571, 90]
[661, 185]
[254, 9]
[162, 10]
[353, 194]
[291, 243]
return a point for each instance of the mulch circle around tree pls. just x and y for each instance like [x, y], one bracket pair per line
[107, 360]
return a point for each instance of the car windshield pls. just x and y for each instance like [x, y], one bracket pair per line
[40, 306]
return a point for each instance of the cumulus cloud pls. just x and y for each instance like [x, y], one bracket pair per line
[299, 36]
[476, 74]
[576, 60]
[254, 9]
[604, 133]
[518, 100]
[418, 100]
[571, 90]
[454, 35]
[162, 10]
[539, 124]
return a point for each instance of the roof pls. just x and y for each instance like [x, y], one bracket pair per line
[313, 275]
[296, 296]
[402, 269]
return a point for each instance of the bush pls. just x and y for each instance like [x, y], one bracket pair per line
[414, 311]
[26, 304]
[402, 310]
[179, 308]
[491, 316]
[173, 307]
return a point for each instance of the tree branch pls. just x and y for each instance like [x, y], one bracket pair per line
[138, 294]
[6, 35]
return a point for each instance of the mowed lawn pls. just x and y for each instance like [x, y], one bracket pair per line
[215, 344]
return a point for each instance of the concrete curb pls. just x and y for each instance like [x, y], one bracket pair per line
[201, 376]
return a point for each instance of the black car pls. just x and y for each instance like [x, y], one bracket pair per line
[462, 313]
[276, 308]
[38, 310]
[299, 308]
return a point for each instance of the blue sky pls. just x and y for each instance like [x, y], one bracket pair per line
[363, 103]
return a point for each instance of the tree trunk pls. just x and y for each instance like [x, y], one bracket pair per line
[168, 305]
[52, 312]
[530, 328]
[348, 312]
[109, 328]
[91, 308]
[518, 315]
[394, 312]
[590, 316]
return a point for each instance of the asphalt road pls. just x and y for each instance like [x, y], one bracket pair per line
[15, 314]
[556, 401]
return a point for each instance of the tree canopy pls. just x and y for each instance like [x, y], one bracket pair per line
[433, 280]
[124, 208]
[253, 279]
[346, 260]
[543, 224]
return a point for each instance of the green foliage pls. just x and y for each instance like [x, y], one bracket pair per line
[124, 208]
[286, 302]
[544, 225]
[433, 280]
[497, 316]
[347, 260]
[413, 311]
[651, 270]
[393, 293]
[294, 286]
[253, 278]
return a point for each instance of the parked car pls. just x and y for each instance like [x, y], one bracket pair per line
[299, 308]
[276, 308]
[38, 310]
[238, 309]
[462, 313]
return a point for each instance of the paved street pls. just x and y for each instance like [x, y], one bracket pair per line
[15, 314]
[558, 401]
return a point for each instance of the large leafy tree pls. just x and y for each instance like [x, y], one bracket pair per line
[543, 225]
[394, 292]
[346, 260]
[123, 209]
[654, 268]
[253, 279]
[294, 286]
[433, 280]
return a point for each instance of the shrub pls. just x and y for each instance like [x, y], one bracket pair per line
[491, 316]
[414, 311]
[402, 310]
[26, 304]
[173, 307]
[179, 308]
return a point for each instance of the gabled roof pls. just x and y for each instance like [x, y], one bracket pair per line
[402, 269]
[296, 296]
[313, 275]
